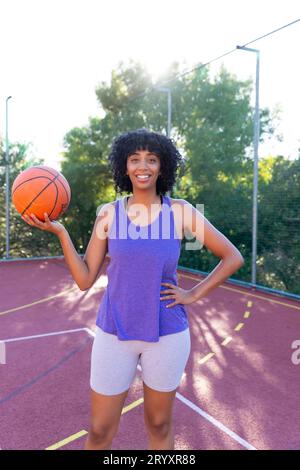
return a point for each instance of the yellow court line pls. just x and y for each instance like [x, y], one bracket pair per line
[239, 326]
[67, 440]
[81, 433]
[132, 405]
[226, 340]
[206, 358]
[44, 299]
[233, 289]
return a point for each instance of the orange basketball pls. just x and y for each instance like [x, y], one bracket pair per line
[40, 189]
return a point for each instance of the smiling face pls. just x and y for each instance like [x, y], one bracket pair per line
[143, 168]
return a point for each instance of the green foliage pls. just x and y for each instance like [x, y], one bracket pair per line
[25, 241]
[279, 225]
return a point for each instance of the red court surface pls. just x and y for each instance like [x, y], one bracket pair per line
[240, 389]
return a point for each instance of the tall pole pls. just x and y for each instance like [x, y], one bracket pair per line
[168, 91]
[169, 112]
[255, 164]
[7, 199]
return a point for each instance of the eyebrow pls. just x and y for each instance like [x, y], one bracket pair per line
[148, 153]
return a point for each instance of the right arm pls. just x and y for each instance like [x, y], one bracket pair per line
[97, 246]
[84, 271]
[77, 266]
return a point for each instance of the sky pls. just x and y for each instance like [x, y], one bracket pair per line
[55, 52]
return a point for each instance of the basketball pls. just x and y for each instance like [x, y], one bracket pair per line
[40, 189]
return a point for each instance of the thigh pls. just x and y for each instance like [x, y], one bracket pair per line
[163, 363]
[158, 407]
[106, 412]
[113, 364]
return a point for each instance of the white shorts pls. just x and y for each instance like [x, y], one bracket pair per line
[114, 362]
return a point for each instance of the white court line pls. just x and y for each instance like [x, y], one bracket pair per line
[22, 338]
[213, 421]
[216, 423]
[187, 402]
[2, 353]
[90, 332]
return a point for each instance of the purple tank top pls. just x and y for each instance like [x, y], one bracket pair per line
[141, 257]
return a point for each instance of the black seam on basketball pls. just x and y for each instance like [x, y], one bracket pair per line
[52, 181]
[33, 178]
[64, 189]
[48, 171]
[56, 197]
[44, 169]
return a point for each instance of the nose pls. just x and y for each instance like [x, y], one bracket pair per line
[143, 164]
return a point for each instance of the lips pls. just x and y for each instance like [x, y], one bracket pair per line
[143, 177]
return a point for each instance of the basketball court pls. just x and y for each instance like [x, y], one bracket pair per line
[239, 390]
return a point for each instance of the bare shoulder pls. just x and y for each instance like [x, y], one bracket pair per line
[187, 216]
[110, 205]
[105, 214]
[180, 205]
[178, 210]
[106, 208]
[179, 202]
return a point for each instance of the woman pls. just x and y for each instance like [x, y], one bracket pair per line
[142, 316]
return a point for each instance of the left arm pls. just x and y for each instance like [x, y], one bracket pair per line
[196, 224]
[218, 244]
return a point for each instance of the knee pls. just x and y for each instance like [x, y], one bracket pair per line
[101, 434]
[158, 426]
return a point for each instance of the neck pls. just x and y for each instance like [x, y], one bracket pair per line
[145, 198]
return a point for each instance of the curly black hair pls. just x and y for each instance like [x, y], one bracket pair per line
[143, 139]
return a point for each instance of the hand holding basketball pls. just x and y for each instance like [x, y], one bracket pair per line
[50, 226]
[41, 189]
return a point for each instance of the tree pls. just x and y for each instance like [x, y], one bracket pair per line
[279, 224]
[24, 240]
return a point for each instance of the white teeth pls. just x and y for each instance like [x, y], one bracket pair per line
[143, 177]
